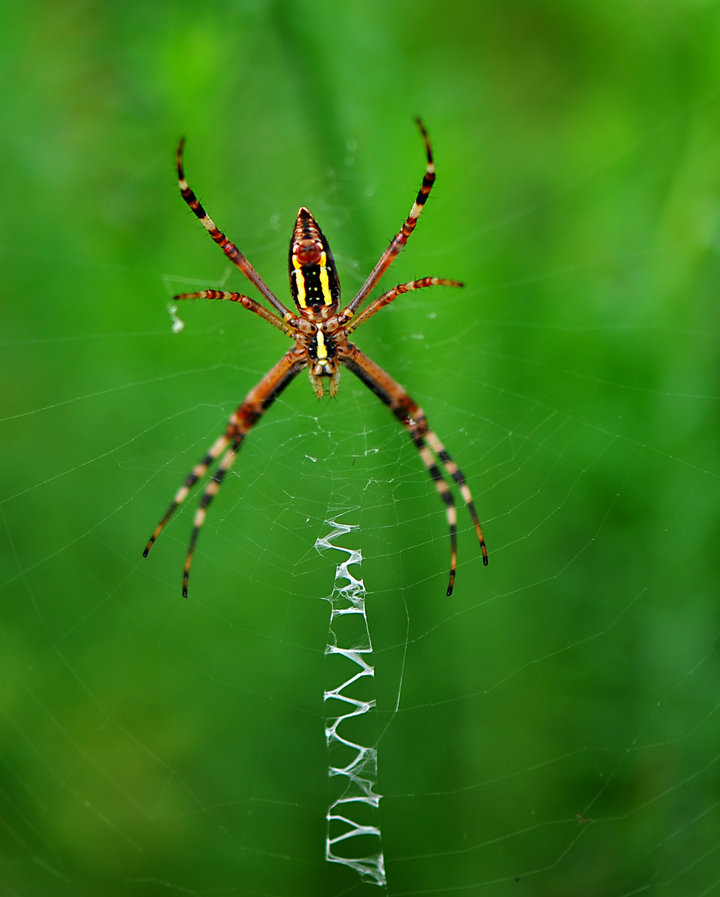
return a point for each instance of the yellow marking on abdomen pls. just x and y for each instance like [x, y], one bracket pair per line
[325, 280]
[299, 282]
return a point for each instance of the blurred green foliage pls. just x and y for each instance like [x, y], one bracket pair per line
[550, 729]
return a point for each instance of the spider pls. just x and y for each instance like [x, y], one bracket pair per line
[320, 333]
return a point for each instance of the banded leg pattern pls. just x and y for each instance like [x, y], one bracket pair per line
[286, 325]
[211, 490]
[226, 448]
[391, 295]
[227, 246]
[197, 473]
[401, 237]
[432, 451]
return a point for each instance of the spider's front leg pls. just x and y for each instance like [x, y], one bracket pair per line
[431, 449]
[226, 448]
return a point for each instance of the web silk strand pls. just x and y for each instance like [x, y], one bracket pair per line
[353, 835]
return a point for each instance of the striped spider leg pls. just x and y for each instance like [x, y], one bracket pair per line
[320, 334]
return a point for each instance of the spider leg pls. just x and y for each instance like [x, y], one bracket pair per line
[285, 325]
[391, 295]
[256, 403]
[229, 248]
[197, 473]
[211, 490]
[401, 237]
[431, 449]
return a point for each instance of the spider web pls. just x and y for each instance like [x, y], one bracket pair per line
[551, 729]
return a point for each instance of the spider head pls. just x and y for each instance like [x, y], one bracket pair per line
[314, 281]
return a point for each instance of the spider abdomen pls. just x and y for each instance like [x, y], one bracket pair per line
[314, 283]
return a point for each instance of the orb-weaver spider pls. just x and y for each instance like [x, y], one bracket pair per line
[320, 334]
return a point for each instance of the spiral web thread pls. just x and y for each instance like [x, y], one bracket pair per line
[353, 839]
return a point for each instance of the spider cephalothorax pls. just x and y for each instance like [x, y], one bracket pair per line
[320, 334]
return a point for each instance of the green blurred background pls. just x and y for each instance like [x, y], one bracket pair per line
[551, 729]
